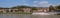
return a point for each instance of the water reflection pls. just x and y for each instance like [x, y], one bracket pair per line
[27, 16]
[45, 16]
[15, 16]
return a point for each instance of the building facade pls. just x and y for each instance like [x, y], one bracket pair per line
[4, 10]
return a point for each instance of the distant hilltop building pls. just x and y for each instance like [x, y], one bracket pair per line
[40, 9]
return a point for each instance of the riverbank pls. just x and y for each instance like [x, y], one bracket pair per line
[17, 13]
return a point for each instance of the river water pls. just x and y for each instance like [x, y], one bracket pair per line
[15, 16]
[46, 16]
[27, 16]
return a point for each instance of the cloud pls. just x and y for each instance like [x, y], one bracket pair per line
[25, 4]
[44, 4]
[58, 3]
[26, 0]
[34, 5]
[41, 4]
[35, 1]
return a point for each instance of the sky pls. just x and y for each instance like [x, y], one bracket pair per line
[34, 3]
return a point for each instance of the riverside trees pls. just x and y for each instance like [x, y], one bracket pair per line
[54, 8]
[51, 8]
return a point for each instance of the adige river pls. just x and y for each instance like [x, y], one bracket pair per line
[46, 16]
[15, 16]
[27, 16]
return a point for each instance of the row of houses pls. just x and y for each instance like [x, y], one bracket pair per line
[42, 9]
[4, 10]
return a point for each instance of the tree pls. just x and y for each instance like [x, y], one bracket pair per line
[22, 6]
[58, 7]
[34, 8]
[51, 8]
